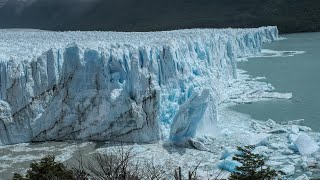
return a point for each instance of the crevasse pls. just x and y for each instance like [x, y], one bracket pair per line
[130, 87]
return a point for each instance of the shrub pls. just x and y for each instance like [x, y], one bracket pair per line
[253, 166]
[46, 169]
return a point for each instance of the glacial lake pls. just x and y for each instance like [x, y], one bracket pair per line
[297, 74]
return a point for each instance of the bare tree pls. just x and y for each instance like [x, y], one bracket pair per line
[151, 171]
[114, 165]
[79, 168]
[192, 175]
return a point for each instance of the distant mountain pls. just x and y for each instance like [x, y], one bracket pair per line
[150, 15]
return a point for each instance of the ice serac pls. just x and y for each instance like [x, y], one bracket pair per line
[131, 87]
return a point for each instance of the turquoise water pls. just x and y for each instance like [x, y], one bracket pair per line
[299, 74]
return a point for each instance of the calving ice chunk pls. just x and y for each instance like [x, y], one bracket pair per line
[131, 87]
[305, 145]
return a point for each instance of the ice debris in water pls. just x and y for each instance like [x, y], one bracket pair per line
[301, 142]
[249, 138]
[288, 169]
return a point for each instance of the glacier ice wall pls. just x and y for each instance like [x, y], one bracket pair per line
[131, 87]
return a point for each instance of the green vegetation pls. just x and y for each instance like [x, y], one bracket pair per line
[46, 169]
[253, 166]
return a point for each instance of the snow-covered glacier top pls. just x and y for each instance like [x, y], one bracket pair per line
[133, 87]
[30, 43]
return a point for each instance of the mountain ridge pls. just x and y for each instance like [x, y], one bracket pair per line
[149, 15]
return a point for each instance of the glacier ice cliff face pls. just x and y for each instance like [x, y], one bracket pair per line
[131, 87]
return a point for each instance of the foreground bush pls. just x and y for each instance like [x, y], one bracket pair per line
[253, 166]
[46, 169]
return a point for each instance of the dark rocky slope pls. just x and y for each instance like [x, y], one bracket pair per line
[151, 15]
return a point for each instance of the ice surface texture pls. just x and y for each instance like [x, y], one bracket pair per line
[130, 87]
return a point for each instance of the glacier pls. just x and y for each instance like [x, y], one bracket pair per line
[117, 86]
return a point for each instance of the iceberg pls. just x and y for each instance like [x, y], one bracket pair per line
[304, 144]
[129, 87]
